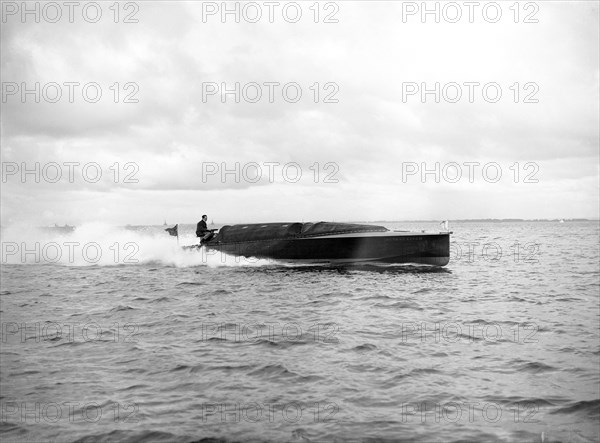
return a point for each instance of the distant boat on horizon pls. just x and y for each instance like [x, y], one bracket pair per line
[56, 228]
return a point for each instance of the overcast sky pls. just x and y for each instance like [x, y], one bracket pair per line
[368, 136]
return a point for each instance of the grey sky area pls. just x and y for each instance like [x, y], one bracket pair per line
[329, 121]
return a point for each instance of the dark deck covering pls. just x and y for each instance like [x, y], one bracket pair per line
[329, 228]
[256, 232]
[276, 231]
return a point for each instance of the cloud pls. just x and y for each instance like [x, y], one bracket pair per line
[167, 63]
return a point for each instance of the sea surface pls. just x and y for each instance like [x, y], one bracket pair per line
[125, 337]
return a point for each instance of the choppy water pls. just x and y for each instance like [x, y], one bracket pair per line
[180, 347]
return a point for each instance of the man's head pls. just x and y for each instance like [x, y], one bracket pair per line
[204, 217]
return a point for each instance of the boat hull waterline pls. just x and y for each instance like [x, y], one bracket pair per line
[325, 242]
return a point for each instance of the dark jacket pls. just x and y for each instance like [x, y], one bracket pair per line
[201, 229]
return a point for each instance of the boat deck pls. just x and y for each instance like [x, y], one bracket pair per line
[375, 234]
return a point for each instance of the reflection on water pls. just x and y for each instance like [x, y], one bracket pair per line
[383, 268]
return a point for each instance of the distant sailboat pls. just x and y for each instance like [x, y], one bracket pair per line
[561, 220]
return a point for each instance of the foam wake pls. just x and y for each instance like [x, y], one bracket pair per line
[100, 244]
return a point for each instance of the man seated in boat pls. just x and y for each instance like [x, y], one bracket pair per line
[202, 230]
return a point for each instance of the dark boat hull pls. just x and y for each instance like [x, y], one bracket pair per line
[381, 247]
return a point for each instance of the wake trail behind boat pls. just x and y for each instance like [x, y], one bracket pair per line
[101, 244]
